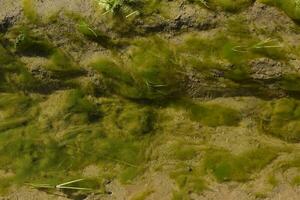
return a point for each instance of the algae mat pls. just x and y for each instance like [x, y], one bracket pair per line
[153, 99]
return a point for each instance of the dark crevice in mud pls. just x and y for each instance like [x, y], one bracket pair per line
[7, 22]
[179, 25]
[262, 93]
[268, 89]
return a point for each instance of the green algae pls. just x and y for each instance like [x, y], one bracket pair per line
[29, 44]
[143, 195]
[290, 7]
[229, 5]
[213, 115]
[151, 73]
[95, 35]
[72, 129]
[74, 108]
[130, 120]
[188, 179]
[62, 65]
[227, 167]
[296, 181]
[272, 180]
[30, 12]
[47, 157]
[235, 48]
[156, 68]
[5, 57]
[226, 5]
[136, 121]
[117, 78]
[110, 68]
[290, 82]
[14, 76]
[183, 152]
[281, 119]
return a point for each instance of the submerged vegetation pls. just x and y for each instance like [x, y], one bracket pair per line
[227, 5]
[291, 7]
[148, 89]
[281, 119]
[227, 167]
[151, 73]
[213, 115]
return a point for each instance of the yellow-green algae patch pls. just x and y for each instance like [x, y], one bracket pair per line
[281, 118]
[63, 135]
[227, 167]
[152, 71]
[290, 7]
[30, 12]
[227, 5]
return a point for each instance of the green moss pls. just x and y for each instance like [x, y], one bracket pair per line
[213, 115]
[227, 167]
[281, 118]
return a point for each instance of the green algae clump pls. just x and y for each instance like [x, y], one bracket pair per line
[227, 5]
[230, 5]
[227, 167]
[152, 72]
[214, 115]
[290, 7]
[281, 118]
[30, 11]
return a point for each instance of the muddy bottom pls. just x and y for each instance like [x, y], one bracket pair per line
[148, 100]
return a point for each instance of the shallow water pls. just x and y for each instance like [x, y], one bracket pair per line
[150, 99]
